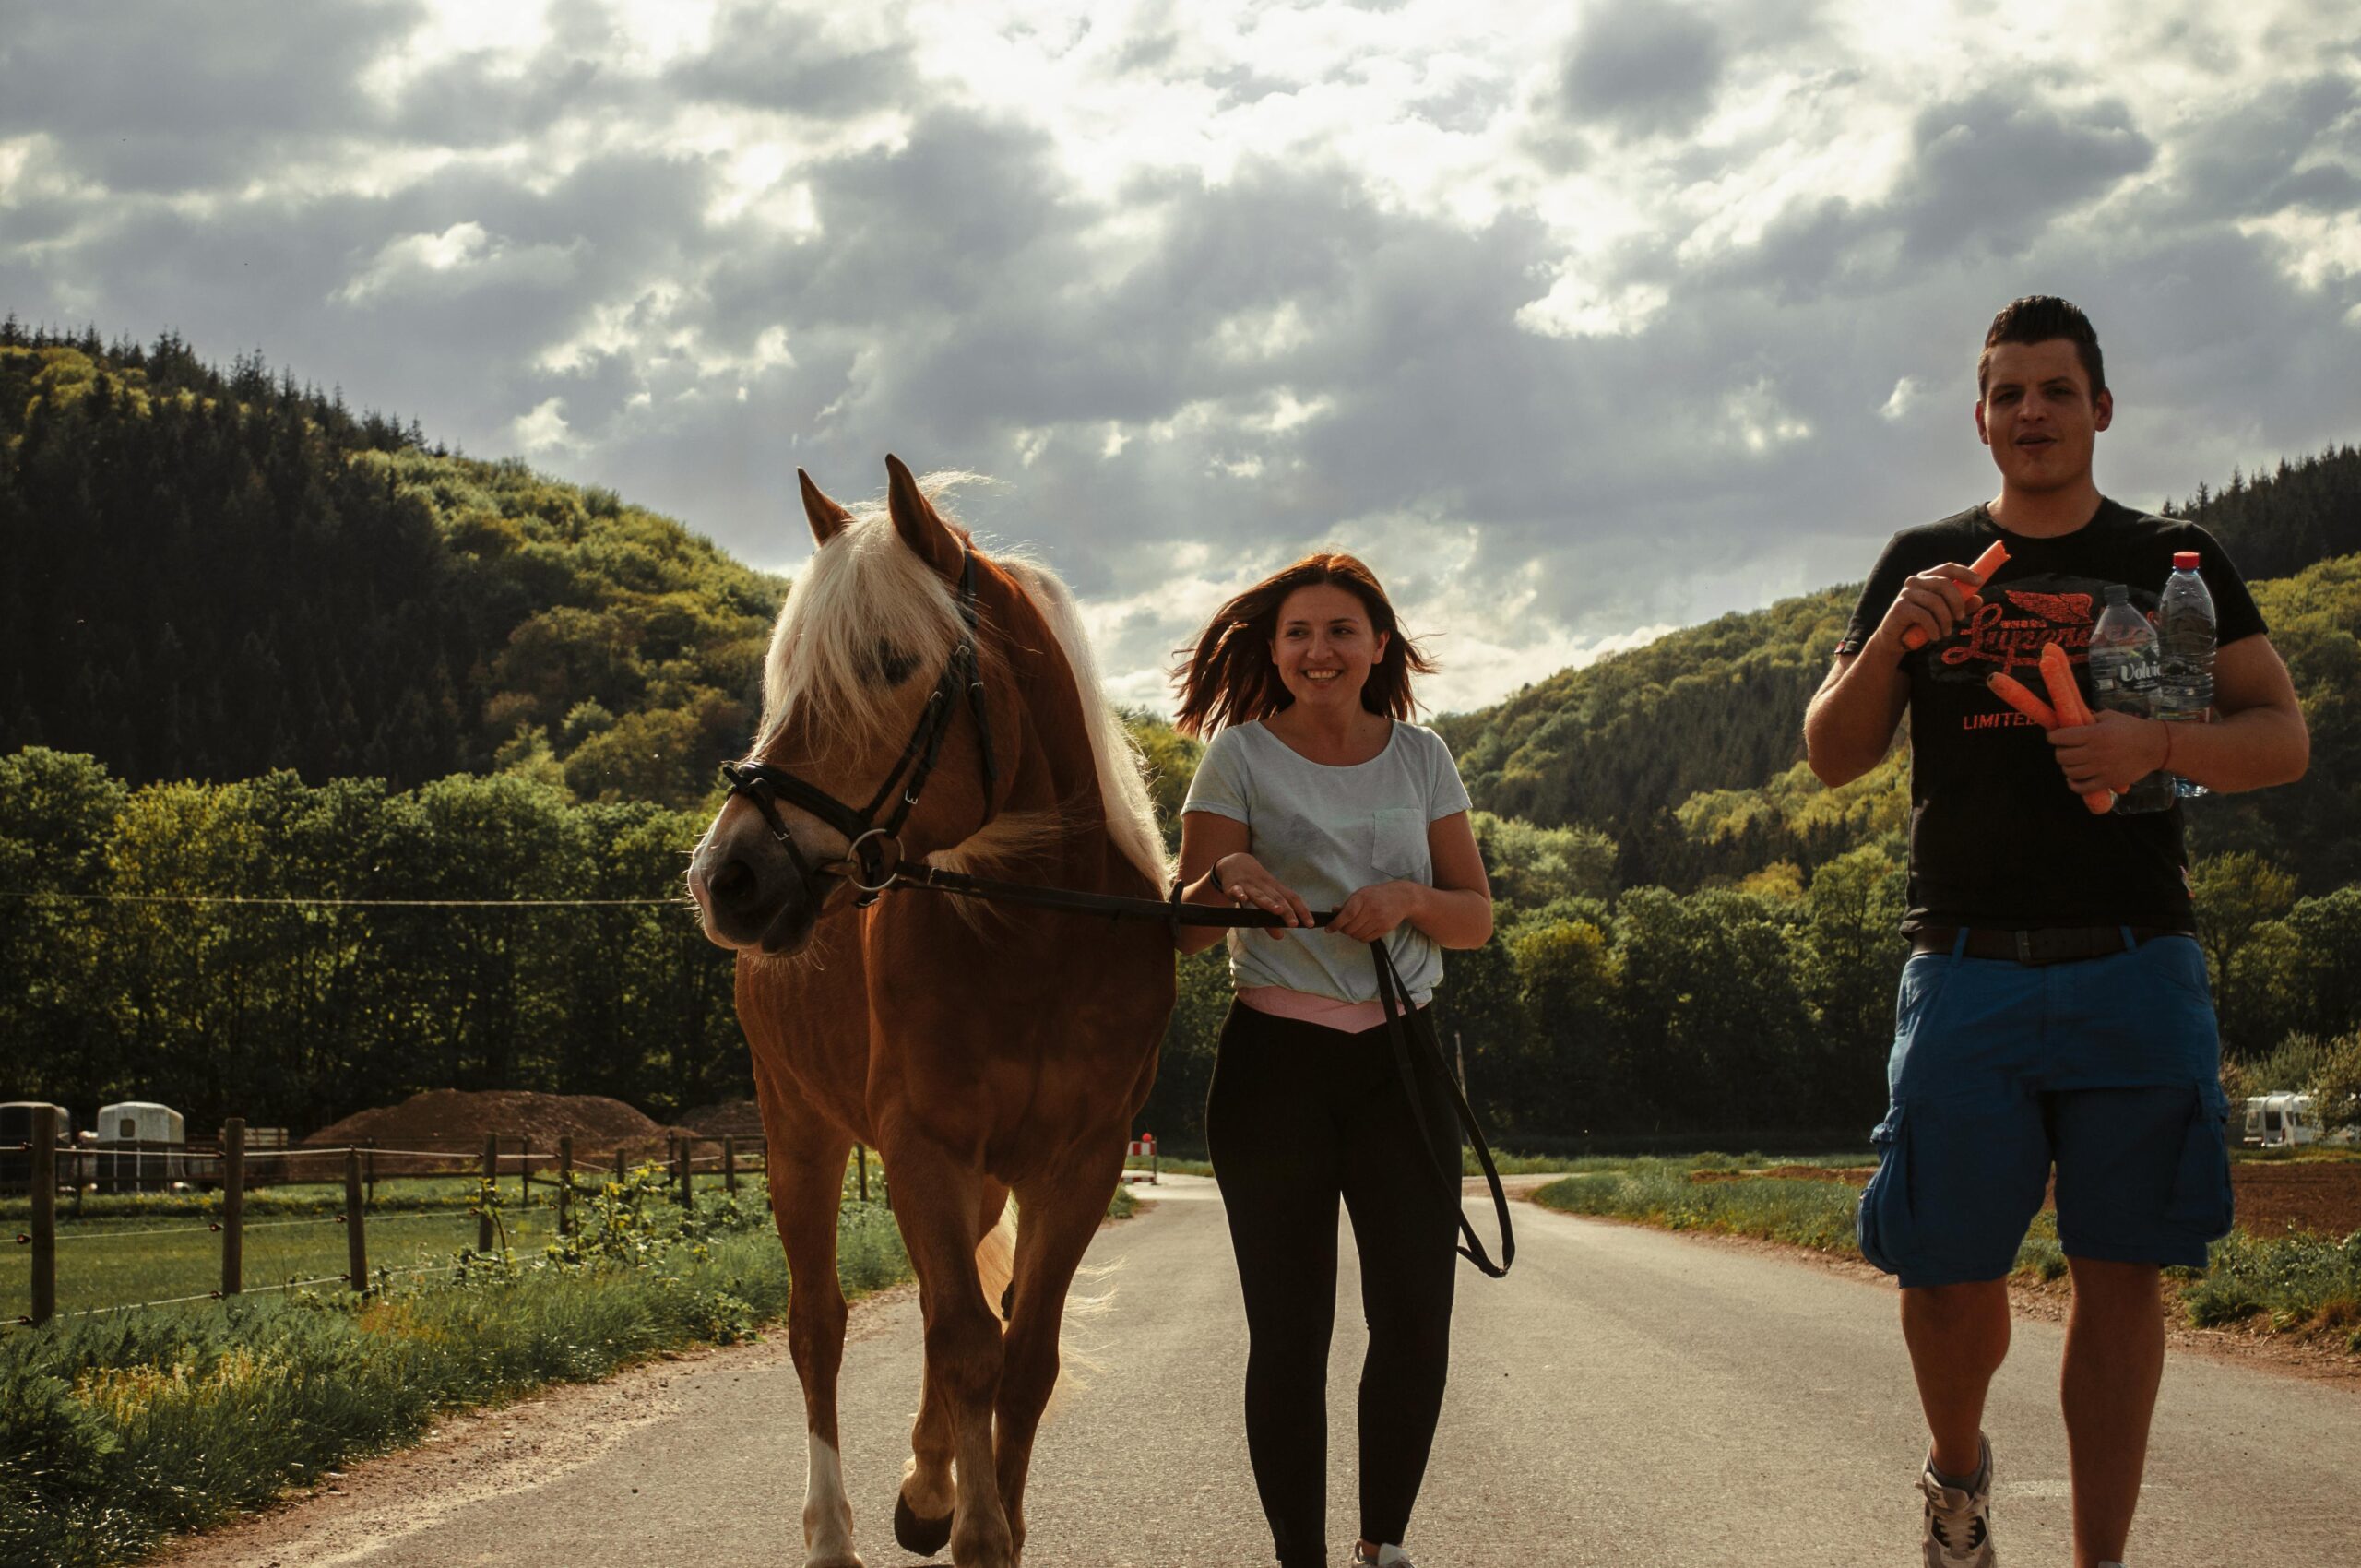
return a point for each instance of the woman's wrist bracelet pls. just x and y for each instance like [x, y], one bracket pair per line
[1214, 872]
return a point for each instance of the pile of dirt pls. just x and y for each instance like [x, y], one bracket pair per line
[459, 1120]
[730, 1119]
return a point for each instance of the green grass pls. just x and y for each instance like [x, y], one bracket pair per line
[2296, 1282]
[157, 1246]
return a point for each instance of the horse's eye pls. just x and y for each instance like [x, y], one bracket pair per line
[889, 665]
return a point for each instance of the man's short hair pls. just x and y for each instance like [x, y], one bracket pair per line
[2040, 318]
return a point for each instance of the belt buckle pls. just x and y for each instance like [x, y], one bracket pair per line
[2024, 946]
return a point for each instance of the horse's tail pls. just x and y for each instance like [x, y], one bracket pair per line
[996, 1260]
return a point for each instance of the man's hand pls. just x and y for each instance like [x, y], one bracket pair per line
[1933, 603]
[1376, 910]
[2115, 752]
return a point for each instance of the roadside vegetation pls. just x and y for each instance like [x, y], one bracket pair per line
[2293, 1283]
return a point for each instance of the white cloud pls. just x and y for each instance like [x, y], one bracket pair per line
[1565, 318]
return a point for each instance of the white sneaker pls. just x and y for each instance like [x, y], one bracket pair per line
[1959, 1522]
[1386, 1556]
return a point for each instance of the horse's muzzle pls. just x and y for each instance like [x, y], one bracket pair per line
[750, 900]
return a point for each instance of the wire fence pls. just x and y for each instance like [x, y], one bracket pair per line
[167, 1253]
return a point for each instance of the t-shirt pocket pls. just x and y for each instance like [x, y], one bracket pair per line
[1398, 845]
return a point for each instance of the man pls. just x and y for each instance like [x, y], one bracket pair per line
[2055, 1009]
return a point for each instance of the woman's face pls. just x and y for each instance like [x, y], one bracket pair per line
[1324, 647]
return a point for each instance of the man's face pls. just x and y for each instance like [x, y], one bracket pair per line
[2038, 416]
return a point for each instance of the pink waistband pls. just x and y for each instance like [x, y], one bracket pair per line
[1283, 1002]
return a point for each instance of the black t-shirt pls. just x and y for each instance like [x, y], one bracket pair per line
[1997, 838]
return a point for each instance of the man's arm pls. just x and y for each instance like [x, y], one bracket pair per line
[2257, 739]
[1852, 717]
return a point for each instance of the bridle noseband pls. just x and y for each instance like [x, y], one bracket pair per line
[865, 862]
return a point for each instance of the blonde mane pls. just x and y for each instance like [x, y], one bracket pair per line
[867, 590]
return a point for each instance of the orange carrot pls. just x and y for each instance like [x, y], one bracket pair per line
[2057, 674]
[1991, 561]
[2011, 690]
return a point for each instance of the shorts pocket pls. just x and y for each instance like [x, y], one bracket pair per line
[2179, 962]
[1398, 844]
[1882, 1224]
[2202, 1203]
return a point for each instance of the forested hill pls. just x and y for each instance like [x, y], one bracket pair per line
[1624, 743]
[213, 574]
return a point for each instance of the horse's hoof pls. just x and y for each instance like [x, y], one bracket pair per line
[922, 1537]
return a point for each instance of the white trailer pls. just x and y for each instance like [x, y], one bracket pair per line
[140, 1145]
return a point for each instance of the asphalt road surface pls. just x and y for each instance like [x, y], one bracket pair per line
[1625, 1398]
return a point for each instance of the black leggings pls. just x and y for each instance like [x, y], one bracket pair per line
[1300, 1115]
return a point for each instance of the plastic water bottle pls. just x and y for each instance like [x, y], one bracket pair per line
[2123, 677]
[2185, 637]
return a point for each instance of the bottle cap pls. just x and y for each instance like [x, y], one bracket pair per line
[2118, 594]
[2184, 560]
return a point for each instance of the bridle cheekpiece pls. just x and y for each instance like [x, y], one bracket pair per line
[865, 862]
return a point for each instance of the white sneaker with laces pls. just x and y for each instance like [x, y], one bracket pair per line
[1386, 1556]
[1959, 1519]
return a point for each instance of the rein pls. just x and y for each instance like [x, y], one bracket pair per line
[873, 875]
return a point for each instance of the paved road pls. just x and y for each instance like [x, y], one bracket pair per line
[1627, 1398]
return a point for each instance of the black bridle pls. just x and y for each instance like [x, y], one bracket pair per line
[873, 873]
[865, 862]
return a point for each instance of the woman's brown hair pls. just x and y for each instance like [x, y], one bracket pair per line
[1230, 677]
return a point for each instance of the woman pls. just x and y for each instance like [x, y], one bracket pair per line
[1313, 794]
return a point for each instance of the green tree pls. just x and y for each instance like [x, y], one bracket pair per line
[2236, 893]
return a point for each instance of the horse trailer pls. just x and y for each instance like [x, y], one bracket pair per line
[142, 1146]
[17, 1136]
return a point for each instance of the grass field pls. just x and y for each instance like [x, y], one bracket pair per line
[161, 1246]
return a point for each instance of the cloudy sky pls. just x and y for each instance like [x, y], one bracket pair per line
[1577, 321]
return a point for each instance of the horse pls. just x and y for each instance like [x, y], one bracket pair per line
[983, 1052]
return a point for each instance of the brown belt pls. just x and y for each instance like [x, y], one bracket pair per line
[2061, 944]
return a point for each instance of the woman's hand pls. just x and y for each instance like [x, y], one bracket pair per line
[1376, 910]
[1247, 883]
[2113, 754]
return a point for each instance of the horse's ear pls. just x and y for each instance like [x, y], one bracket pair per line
[915, 518]
[828, 519]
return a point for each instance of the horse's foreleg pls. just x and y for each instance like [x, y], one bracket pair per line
[936, 1203]
[922, 1510]
[1063, 1211]
[806, 1183]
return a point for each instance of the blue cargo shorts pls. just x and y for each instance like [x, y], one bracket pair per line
[2107, 1068]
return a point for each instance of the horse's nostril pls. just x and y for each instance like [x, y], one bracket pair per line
[732, 883]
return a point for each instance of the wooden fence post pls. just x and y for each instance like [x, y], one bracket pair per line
[356, 1243]
[233, 1205]
[688, 1175]
[566, 1185]
[860, 1152]
[44, 1195]
[491, 1190]
[525, 1177]
[623, 1165]
[369, 1170]
[729, 1165]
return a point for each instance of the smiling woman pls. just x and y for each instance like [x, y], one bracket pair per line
[1312, 791]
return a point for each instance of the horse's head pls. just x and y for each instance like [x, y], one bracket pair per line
[879, 698]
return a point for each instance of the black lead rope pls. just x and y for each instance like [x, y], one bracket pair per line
[1404, 1025]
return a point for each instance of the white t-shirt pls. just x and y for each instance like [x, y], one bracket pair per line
[1329, 832]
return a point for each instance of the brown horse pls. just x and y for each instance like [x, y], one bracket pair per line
[980, 1051]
